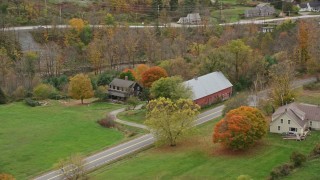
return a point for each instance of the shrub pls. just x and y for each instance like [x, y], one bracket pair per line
[58, 82]
[281, 171]
[3, 97]
[244, 177]
[298, 159]
[19, 93]
[107, 122]
[6, 177]
[44, 91]
[101, 93]
[315, 152]
[32, 102]
[132, 102]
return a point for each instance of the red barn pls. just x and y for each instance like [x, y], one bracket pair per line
[209, 88]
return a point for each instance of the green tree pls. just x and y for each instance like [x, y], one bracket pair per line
[189, 6]
[173, 5]
[170, 121]
[235, 102]
[241, 128]
[80, 87]
[101, 93]
[109, 19]
[170, 87]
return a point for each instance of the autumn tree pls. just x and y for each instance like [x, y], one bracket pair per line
[80, 87]
[152, 75]
[303, 40]
[72, 168]
[171, 121]
[241, 128]
[171, 88]
[95, 54]
[282, 75]
[5, 65]
[235, 102]
[30, 62]
[140, 69]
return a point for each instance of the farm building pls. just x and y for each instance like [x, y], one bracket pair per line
[209, 88]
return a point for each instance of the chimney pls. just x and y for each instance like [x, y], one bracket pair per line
[126, 78]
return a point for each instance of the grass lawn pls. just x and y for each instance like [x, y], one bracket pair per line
[198, 158]
[310, 97]
[33, 139]
[137, 116]
[230, 15]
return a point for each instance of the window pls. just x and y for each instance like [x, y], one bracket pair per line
[281, 121]
[310, 123]
[118, 88]
[279, 128]
[293, 129]
[288, 121]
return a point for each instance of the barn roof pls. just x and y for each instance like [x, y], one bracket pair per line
[208, 84]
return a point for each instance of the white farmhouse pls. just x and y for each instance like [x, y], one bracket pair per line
[295, 117]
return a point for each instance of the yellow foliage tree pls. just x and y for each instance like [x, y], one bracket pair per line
[80, 87]
[77, 24]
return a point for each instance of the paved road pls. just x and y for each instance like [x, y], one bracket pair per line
[129, 147]
[22, 28]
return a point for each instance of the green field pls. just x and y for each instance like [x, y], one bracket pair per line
[137, 116]
[230, 15]
[32, 140]
[310, 97]
[197, 158]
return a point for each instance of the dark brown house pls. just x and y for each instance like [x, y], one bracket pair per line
[122, 89]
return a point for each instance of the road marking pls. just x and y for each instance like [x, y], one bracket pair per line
[129, 147]
[108, 155]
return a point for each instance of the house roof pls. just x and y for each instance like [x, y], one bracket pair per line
[208, 84]
[312, 111]
[301, 113]
[193, 16]
[122, 83]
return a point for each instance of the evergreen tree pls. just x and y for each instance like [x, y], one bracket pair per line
[3, 98]
[173, 5]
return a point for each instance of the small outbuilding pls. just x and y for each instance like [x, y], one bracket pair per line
[121, 89]
[209, 88]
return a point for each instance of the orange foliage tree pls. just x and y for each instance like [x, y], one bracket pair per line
[140, 69]
[151, 75]
[241, 128]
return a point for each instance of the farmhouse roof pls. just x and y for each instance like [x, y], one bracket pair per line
[122, 83]
[208, 84]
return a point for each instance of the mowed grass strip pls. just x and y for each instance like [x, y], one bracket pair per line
[198, 158]
[137, 116]
[32, 140]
